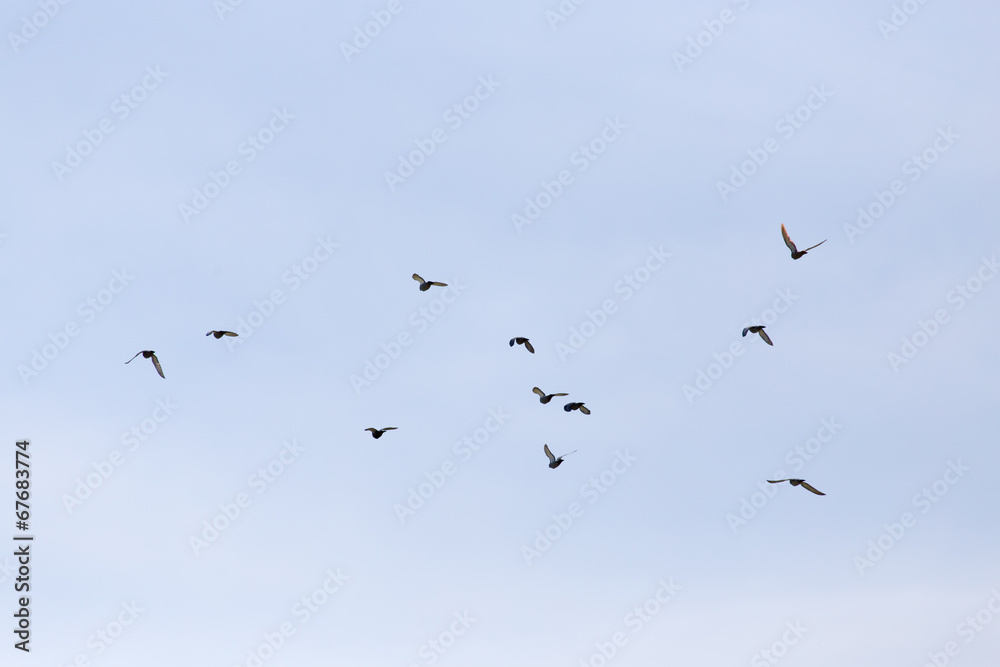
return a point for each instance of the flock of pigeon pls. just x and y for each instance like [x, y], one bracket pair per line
[543, 398]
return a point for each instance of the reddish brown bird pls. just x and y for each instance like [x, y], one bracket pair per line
[798, 482]
[220, 334]
[426, 284]
[553, 461]
[149, 354]
[791, 246]
[524, 342]
[544, 398]
[570, 407]
[377, 432]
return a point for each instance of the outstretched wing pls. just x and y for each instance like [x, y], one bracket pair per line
[561, 394]
[439, 284]
[807, 485]
[390, 428]
[767, 339]
[371, 429]
[584, 409]
[777, 481]
[528, 346]
[816, 246]
[136, 355]
[788, 240]
[159, 369]
[538, 391]
[548, 453]
[418, 278]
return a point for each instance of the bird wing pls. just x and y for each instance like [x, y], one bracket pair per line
[418, 278]
[584, 409]
[777, 481]
[528, 346]
[807, 485]
[816, 246]
[788, 240]
[439, 284]
[512, 341]
[228, 333]
[763, 334]
[745, 330]
[538, 391]
[390, 428]
[561, 394]
[136, 355]
[548, 453]
[371, 429]
[210, 333]
[159, 369]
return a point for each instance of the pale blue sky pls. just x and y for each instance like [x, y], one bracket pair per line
[179, 168]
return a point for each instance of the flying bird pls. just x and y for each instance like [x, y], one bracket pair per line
[545, 398]
[791, 246]
[149, 354]
[426, 284]
[569, 407]
[377, 432]
[798, 482]
[553, 461]
[220, 334]
[758, 329]
[524, 342]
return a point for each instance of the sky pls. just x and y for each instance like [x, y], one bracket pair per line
[608, 180]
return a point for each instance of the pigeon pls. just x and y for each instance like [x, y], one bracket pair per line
[758, 329]
[569, 407]
[553, 461]
[798, 482]
[524, 342]
[377, 432]
[149, 354]
[220, 334]
[426, 284]
[791, 246]
[543, 397]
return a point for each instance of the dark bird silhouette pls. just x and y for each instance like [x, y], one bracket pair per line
[545, 398]
[149, 354]
[758, 329]
[426, 284]
[553, 461]
[791, 246]
[377, 432]
[220, 334]
[569, 407]
[798, 482]
[524, 342]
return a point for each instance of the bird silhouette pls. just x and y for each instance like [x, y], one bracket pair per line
[798, 482]
[377, 432]
[553, 461]
[149, 354]
[791, 246]
[758, 329]
[524, 342]
[569, 407]
[426, 284]
[545, 398]
[220, 334]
